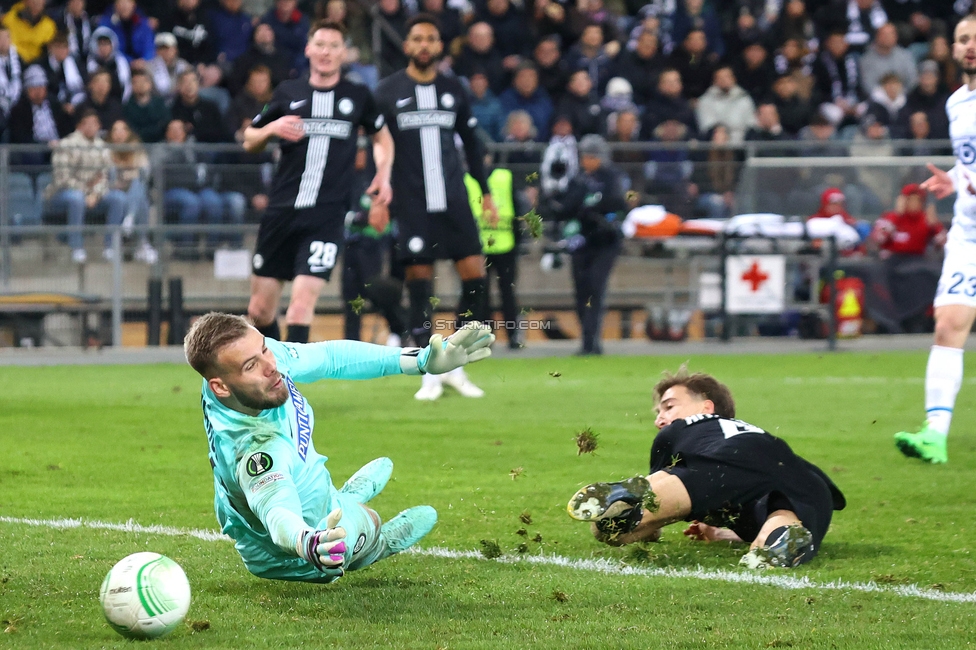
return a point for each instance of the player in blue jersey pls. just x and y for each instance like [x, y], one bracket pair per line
[273, 493]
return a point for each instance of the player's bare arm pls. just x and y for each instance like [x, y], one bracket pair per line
[380, 189]
[288, 127]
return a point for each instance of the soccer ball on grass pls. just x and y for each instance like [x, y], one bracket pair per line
[145, 596]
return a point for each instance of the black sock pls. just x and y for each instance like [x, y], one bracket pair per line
[474, 300]
[420, 292]
[271, 330]
[297, 333]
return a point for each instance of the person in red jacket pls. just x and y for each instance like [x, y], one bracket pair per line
[909, 228]
[832, 203]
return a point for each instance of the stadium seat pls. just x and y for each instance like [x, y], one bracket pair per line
[21, 201]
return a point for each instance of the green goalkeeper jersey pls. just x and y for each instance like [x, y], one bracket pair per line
[270, 484]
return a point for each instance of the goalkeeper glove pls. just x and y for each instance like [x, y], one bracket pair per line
[467, 345]
[325, 549]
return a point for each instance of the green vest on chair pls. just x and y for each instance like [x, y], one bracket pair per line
[501, 239]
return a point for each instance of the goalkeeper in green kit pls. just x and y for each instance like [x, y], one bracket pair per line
[273, 493]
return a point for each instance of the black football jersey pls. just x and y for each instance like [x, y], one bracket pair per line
[423, 119]
[318, 168]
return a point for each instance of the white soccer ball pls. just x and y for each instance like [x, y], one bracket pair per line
[145, 596]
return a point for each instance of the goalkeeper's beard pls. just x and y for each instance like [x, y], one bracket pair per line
[264, 400]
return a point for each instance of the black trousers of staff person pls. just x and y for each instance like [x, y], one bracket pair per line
[505, 269]
[591, 271]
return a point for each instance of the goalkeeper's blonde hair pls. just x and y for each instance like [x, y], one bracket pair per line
[208, 335]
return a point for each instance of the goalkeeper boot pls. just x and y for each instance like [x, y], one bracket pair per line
[458, 380]
[610, 500]
[406, 529]
[928, 444]
[785, 547]
[369, 480]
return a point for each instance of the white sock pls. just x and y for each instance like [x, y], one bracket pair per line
[430, 380]
[457, 373]
[943, 378]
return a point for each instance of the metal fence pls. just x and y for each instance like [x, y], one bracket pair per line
[690, 179]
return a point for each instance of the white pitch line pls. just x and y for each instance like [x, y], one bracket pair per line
[608, 566]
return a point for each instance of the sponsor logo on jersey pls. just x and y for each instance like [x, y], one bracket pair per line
[258, 463]
[360, 543]
[416, 244]
[472, 122]
[297, 104]
[267, 479]
[345, 106]
[301, 417]
[332, 128]
[965, 150]
[691, 419]
[447, 100]
[257, 261]
[420, 119]
[400, 103]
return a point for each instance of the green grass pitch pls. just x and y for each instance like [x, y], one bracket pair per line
[113, 444]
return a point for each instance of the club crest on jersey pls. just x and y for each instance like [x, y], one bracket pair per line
[345, 106]
[360, 543]
[258, 463]
[301, 418]
[257, 261]
[416, 244]
[447, 100]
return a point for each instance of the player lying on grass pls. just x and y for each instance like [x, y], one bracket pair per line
[273, 493]
[733, 481]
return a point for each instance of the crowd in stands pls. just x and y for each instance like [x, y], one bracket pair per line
[728, 72]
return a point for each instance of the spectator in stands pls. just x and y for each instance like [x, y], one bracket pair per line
[519, 128]
[752, 21]
[390, 56]
[194, 40]
[448, 19]
[941, 53]
[796, 58]
[795, 22]
[190, 193]
[819, 138]
[250, 101]
[619, 95]
[202, 117]
[479, 53]
[919, 131]
[668, 171]
[928, 99]
[100, 98]
[694, 63]
[754, 70]
[580, 105]
[767, 127]
[884, 56]
[526, 95]
[131, 176]
[231, 30]
[914, 20]
[66, 81]
[10, 73]
[876, 185]
[909, 228]
[30, 29]
[36, 118]
[132, 31]
[105, 55]
[714, 179]
[261, 52]
[696, 15]
[860, 20]
[81, 164]
[167, 66]
[887, 105]
[640, 66]
[485, 106]
[591, 54]
[553, 72]
[836, 80]
[77, 25]
[726, 103]
[555, 18]
[596, 11]
[146, 112]
[795, 111]
[291, 29]
[668, 103]
[624, 126]
[510, 26]
[833, 203]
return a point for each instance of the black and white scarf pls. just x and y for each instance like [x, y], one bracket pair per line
[857, 35]
[45, 129]
[10, 75]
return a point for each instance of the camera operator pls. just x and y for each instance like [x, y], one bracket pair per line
[589, 204]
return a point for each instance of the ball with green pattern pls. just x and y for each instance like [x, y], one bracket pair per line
[145, 596]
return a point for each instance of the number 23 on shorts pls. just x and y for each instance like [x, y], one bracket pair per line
[960, 284]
